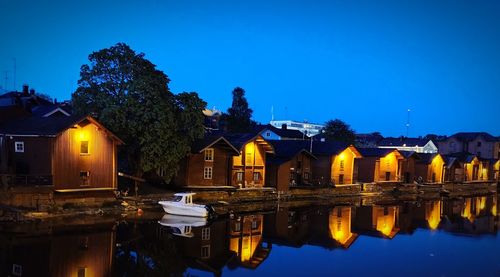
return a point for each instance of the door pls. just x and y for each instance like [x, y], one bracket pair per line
[387, 176]
[475, 172]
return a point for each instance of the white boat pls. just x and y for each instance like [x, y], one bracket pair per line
[182, 225]
[182, 204]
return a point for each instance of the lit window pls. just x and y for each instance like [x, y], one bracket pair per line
[19, 146]
[341, 164]
[207, 173]
[205, 251]
[239, 176]
[254, 225]
[84, 147]
[205, 234]
[256, 176]
[82, 272]
[209, 154]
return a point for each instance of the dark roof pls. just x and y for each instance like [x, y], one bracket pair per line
[238, 140]
[375, 152]
[469, 136]
[285, 150]
[463, 156]
[403, 141]
[47, 126]
[407, 154]
[327, 148]
[212, 140]
[284, 133]
[426, 158]
[41, 126]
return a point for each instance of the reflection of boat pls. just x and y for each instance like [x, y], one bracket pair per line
[182, 225]
[182, 204]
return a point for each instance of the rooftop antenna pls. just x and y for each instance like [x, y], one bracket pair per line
[408, 123]
[14, 81]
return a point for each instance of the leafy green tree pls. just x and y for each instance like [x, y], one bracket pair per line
[126, 92]
[239, 115]
[338, 130]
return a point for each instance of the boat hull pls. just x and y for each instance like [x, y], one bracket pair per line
[185, 210]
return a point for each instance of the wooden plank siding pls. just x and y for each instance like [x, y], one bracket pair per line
[192, 169]
[68, 162]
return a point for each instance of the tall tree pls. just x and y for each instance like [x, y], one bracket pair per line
[131, 97]
[239, 115]
[338, 130]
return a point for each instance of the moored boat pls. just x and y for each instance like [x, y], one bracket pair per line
[182, 204]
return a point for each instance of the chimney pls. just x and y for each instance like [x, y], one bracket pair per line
[32, 92]
[283, 126]
[55, 101]
[25, 89]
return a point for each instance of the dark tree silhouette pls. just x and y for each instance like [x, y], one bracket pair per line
[130, 96]
[338, 130]
[239, 115]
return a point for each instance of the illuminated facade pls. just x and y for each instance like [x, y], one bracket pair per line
[339, 221]
[344, 167]
[380, 165]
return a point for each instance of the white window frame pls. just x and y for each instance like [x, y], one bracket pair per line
[19, 143]
[88, 148]
[207, 254]
[207, 173]
[209, 155]
[205, 234]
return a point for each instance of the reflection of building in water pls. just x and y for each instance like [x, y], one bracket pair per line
[78, 255]
[246, 240]
[340, 226]
[377, 220]
[433, 213]
[471, 216]
[207, 249]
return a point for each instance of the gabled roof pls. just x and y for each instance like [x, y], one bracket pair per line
[284, 133]
[469, 136]
[238, 140]
[463, 157]
[285, 150]
[403, 141]
[213, 140]
[408, 154]
[376, 152]
[426, 158]
[327, 148]
[47, 126]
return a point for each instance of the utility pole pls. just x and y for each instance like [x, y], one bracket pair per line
[408, 123]
[6, 78]
[14, 79]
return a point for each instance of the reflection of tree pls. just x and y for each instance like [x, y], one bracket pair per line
[148, 255]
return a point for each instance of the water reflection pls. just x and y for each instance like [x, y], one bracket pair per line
[178, 246]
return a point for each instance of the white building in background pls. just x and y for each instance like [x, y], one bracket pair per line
[310, 129]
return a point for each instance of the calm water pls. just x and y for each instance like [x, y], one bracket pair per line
[428, 238]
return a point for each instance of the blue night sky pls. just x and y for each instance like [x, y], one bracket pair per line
[365, 62]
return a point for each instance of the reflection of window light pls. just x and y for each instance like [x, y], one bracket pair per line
[205, 251]
[205, 234]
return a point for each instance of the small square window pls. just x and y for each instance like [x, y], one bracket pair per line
[205, 251]
[205, 234]
[84, 147]
[478, 144]
[239, 176]
[207, 173]
[268, 134]
[17, 270]
[209, 154]
[256, 176]
[254, 225]
[19, 146]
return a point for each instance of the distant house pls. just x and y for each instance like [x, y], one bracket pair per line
[379, 165]
[309, 129]
[430, 168]
[270, 132]
[69, 153]
[208, 164]
[336, 163]
[418, 145]
[249, 168]
[291, 165]
[495, 170]
[480, 144]
[471, 167]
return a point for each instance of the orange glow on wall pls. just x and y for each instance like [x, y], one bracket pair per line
[473, 207]
[436, 168]
[343, 164]
[385, 220]
[433, 214]
[246, 241]
[340, 225]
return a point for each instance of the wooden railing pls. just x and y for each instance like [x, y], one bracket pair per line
[25, 180]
